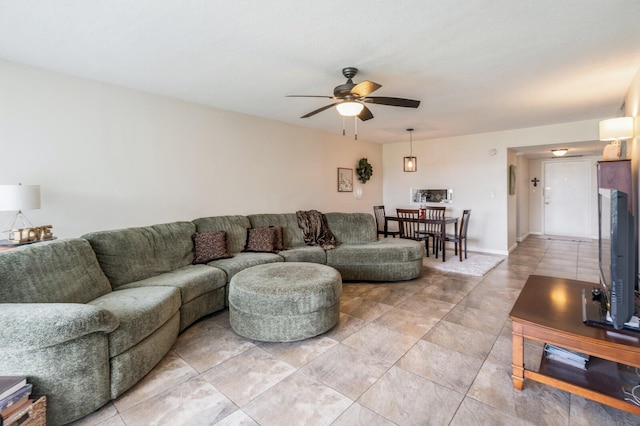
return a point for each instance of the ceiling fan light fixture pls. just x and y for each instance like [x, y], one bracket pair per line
[559, 152]
[349, 108]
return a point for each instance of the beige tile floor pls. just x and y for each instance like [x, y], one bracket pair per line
[432, 351]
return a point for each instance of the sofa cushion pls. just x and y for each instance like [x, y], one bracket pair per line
[133, 254]
[208, 246]
[386, 250]
[140, 311]
[234, 226]
[279, 233]
[261, 240]
[244, 260]
[312, 254]
[352, 228]
[291, 232]
[192, 280]
[59, 271]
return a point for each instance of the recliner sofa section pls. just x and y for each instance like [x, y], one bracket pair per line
[236, 228]
[160, 255]
[78, 341]
[361, 256]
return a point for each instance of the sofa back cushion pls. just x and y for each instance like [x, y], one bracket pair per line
[235, 227]
[60, 271]
[133, 254]
[352, 228]
[292, 234]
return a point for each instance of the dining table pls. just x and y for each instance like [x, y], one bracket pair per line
[446, 220]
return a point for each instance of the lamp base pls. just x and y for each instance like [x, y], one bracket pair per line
[611, 152]
[11, 224]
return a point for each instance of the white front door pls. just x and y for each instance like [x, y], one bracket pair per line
[567, 198]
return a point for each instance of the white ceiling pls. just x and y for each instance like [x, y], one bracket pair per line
[476, 65]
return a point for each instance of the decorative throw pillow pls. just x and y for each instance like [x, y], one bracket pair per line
[208, 246]
[279, 243]
[261, 240]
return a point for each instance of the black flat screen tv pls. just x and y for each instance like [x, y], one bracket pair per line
[616, 257]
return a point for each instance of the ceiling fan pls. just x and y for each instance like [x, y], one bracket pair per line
[351, 98]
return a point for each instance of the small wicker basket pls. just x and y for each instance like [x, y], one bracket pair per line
[33, 415]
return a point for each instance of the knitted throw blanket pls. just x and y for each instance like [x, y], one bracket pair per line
[315, 229]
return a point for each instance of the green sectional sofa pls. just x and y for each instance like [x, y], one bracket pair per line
[86, 318]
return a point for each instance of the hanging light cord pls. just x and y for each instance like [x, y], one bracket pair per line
[410, 143]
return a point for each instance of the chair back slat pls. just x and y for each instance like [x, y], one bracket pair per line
[409, 228]
[379, 215]
[464, 223]
[435, 212]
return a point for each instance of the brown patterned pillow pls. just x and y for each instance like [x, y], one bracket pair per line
[208, 246]
[261, 240]
[279, 243]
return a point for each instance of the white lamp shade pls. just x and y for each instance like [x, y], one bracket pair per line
[616, 129]
[19, 197]
[349, 108]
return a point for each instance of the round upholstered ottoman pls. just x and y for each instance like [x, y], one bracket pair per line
[283, 302]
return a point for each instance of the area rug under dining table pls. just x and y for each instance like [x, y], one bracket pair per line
[476, 264]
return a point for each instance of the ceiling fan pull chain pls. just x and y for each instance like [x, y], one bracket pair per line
[343, 131]
[355, 127]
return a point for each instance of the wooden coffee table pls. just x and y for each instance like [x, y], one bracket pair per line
[549, 310]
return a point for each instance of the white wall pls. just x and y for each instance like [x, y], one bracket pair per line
[108, 157]
[534, 194]
[512, 205]
[522, 210]
[632, 109]
[480, 180]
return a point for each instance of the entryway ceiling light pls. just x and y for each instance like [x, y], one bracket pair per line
[559, 152]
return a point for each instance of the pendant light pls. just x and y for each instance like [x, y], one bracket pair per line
[410, 162]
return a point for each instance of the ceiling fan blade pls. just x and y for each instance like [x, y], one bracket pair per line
[309, 96]
[365, 114]
[319, 110]
[361, 90]
[400, 102]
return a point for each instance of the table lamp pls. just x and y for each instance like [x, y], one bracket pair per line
[17, 198]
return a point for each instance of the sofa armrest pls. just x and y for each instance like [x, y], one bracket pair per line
[39, 325]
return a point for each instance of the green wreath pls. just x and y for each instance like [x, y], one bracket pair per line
[364, 170]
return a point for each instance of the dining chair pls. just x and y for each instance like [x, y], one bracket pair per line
[379, 214]
[433, 230]
[409, 222]
[460, 237]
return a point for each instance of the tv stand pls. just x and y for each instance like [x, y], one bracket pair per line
[549, 310]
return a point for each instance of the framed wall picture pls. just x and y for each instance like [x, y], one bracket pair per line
[512, 179]
[345, 180]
